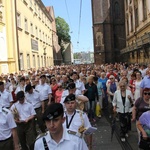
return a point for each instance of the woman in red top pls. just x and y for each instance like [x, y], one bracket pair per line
[58, 93]
[54, 87]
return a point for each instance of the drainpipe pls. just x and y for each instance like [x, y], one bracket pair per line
[15, 4]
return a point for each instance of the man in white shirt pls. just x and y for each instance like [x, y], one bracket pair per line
[76, 120]
[33, 97]
[45, 91]
[8, 133]
[5, 96]
[25, 115]
[57, 136]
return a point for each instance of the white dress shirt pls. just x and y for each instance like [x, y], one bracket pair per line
[5, 98]
[6, 123]
[68, 142]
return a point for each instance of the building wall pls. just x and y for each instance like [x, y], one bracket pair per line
[137, 31]
[8, 46]
[108, 30]
[34, 34]
[25, 35]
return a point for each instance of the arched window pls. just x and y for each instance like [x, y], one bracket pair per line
[117, 10]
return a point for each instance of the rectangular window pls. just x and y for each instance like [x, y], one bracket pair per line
[31, 3]
[131, 22]
[144, 10]
[31, 28]
[36, 31]
[38, 58]
[43, 37]
[40, 33]
[35, 9]
[28, 61]
[34, 61]
[26, 24]
[136, 17]
[21, 61]
[42, 61]
[18, 20]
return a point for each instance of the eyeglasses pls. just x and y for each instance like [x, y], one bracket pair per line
[147, 93]
[111, 78]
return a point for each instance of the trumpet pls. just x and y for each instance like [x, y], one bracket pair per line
[15, 114]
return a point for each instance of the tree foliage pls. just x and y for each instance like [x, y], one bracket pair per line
[62, 31]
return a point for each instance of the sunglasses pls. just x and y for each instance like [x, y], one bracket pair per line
[147, 93]
[59, 86]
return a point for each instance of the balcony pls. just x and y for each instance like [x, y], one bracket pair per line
[140, 42]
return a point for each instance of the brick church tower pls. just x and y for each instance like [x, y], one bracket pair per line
[108, 30]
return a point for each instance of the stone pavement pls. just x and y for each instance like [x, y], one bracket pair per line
[102, 137]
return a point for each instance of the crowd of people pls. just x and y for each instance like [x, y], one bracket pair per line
[58, 103]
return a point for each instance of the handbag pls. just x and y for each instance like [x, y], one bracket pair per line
[98, 109]
[144, 144]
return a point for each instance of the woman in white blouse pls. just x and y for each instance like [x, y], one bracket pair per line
[122, 104]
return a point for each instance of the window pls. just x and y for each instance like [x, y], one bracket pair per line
[21, 61]
[40, 33]
[28, 61]
[117, 10]
[42, 61]
[144, 10]
[26, 24]
[18, 20]
[36, 31]
[35, 9]
[43, 37]
[126, 4]
[38, 58]
[34, 61]
[136, 17]
[131, 17]
[127, 27]
[39, 12]
[31, 28]
[31, 3]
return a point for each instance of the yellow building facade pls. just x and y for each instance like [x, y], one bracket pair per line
[26, 28]
[137, 18]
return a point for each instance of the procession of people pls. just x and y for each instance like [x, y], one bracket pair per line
[53, 107]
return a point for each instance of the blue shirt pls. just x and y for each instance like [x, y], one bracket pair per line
[103, 81]
[99, 88]
[145, 82]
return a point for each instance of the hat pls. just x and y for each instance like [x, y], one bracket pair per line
[53, 111]
[1, 83]
[111, 76]
[43, 76]
[70, 97]
[71, 86]
[28, 88]
[22, 79]
[20, 95]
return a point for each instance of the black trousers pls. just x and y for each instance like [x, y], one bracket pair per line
[26, 135]
[7, 144]
[125, 123]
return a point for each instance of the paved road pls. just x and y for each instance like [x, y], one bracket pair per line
[102, 138]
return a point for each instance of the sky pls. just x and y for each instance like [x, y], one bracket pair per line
[83, 40]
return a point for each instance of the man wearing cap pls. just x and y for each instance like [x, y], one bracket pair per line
[45, 91]
[57, 136]
[33, 97]
[24, 113]
[5, 96]
[8, 132]
[76, 120]
[71, 89]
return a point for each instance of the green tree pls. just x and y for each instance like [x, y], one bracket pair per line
[63, 30]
